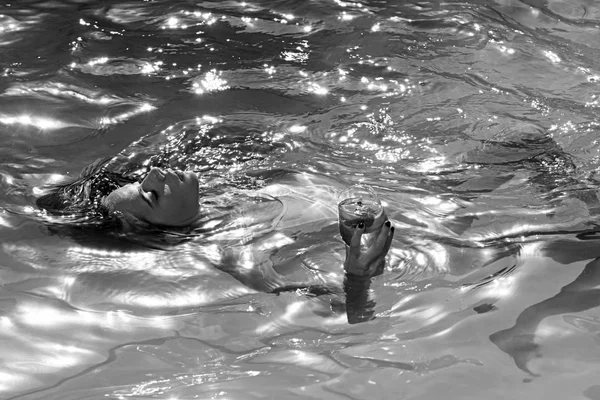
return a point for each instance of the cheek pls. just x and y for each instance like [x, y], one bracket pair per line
[190, 205]
[189, 196]
[134, 209]
[131, 203]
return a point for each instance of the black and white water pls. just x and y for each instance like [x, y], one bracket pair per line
[475, 121]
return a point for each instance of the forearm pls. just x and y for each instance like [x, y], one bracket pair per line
[359, 306]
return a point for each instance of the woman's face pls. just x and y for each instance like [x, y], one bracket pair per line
[164, 197]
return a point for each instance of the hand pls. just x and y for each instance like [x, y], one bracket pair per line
[365, 262]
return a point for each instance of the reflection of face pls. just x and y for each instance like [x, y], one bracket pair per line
[164, 197]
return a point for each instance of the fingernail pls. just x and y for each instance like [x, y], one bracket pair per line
[361, 225]
[388, 224]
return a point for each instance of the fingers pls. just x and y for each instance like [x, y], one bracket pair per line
[382, 243]
[379, 251]
[382, 238]
[353, 263]
[357, 235]
[360, 261]
[389, 238]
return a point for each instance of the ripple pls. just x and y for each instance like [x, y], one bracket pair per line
[476, 124]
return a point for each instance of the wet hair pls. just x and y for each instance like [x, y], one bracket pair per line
[81, 200]
[76, 208]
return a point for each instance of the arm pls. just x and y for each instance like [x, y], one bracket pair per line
[360, 265]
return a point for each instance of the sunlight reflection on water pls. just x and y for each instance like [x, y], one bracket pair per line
[475, 123]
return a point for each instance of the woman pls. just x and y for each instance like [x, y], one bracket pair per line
[167, 202]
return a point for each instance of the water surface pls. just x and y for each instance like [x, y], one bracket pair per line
[475, 121]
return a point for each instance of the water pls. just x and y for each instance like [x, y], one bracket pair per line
[475, 121]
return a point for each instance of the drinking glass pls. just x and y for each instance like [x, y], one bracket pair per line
[360, 203]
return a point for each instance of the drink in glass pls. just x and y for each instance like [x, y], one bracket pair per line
[360, 203]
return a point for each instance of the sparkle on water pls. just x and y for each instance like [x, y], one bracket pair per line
[475, 123]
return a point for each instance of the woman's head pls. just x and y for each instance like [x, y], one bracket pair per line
[163, 197]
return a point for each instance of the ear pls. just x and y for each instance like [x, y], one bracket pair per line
[128, 221]
[127, 225]
[108, 201]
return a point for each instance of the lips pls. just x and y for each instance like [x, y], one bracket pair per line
[180, 175]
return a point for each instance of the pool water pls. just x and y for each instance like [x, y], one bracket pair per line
[476, 123]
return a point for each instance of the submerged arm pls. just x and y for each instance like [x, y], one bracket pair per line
[254, 267]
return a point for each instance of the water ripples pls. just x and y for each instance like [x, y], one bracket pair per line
[475, 122]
